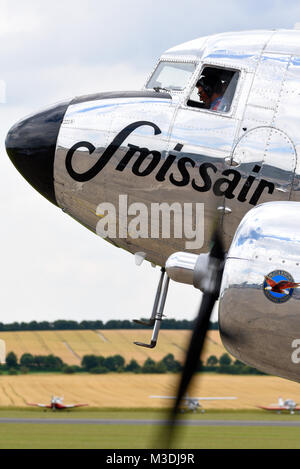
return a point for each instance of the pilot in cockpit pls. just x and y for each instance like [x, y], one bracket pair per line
[211, 91]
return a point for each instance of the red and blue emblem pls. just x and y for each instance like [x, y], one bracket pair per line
[279, 286]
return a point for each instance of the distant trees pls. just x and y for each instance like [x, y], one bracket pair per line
[116, 364]
[63, 324]
[27, 360]
[133, 367]
[149, 366]
[34, 362]
[91, 361]
[171, 364]
[94, 364]
[11, 360]
[225, 359]
[212, 361]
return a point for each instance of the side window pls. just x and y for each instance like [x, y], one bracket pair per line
[214, 89]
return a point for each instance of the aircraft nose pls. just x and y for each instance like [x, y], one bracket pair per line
[31, 143]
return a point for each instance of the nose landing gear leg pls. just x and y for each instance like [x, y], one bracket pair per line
[158, 309]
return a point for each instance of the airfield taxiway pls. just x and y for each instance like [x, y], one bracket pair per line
[191, 423]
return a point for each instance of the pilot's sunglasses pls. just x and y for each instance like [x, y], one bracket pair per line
[201, 92]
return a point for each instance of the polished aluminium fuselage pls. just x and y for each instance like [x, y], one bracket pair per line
[231, 162]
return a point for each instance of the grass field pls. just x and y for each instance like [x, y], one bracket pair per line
[123, 396]
[132, 391]
[71, 346]
[126, 396]
[24, 436]
[140, 414]
[15, 436]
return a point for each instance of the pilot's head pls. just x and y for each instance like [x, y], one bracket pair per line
[209, 88]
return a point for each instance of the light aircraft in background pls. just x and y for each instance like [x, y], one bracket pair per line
[213, 134]
[288, 405]
[192, 403]
[57, 403]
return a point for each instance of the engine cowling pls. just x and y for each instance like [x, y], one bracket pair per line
[259, 310]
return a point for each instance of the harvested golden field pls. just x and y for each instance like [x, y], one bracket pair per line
[71, 346]
[131, 391]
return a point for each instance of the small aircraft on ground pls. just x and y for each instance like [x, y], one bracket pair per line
[57, 404]
[288, 405]
[192, 403]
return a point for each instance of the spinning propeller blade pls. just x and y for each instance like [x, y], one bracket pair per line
[211, 292]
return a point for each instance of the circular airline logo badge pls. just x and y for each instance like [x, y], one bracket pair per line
[279, 286]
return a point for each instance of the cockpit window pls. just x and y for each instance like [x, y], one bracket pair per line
[215, 89]
[171, 76]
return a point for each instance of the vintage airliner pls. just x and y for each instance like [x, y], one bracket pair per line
[214, 131]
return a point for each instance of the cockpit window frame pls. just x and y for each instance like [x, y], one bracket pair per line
[175, 60]
[234, 101]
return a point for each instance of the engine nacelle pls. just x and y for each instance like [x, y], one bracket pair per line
[259, 313]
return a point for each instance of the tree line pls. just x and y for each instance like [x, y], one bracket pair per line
[116, 364]
[63, 324]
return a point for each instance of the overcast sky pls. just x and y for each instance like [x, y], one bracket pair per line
[51, 267]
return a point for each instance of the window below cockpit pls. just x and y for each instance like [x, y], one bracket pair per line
[171, 76]
[215, 89]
